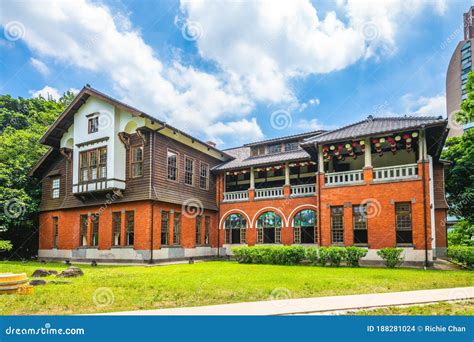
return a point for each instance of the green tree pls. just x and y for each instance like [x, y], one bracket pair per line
[462, 234]
[466, 114]
[22, 123]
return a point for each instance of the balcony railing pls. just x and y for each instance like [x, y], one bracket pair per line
[343, 178]
[236, 196]
[303, 190]
[268, 193]
[396, 172]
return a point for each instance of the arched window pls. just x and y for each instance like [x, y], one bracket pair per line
[269, 228]
[235, 229]
[305, 225]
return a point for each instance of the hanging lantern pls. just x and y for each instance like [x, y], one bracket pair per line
[227, 173]
[393, 145]
[348, 146]
[381, 140]
[375, 141]
[414, 134]
[398, 138]
[362, 145]
[378, 148]
[244, 172]
[332, 148]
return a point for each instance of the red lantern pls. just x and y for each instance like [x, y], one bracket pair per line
[393, 145]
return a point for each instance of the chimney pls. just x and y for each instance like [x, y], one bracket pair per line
[469, 24]
[212, 143]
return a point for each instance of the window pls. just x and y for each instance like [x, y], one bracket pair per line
[56, 182]
[204, 176]
[95, 230]
[188, 171]
[198, 229]
[177, 228]
[90, 162]
[359, 214]
[207, 229]
[172, 166]
[129, 228]
[137, 161]
[257, 151]
[165, 224]
[235, 228]
[93, 125]
[84, 223]
[274, 148]
[269, 228]
[116, 227]
[291, 146]
[55, 231]
[403, 223]
[337, 225]
[305, 225]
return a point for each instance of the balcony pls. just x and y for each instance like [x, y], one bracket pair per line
[100, 185]
[344, 178]
[399, 172]
[303, 190]
[236, 196]
[269, 193]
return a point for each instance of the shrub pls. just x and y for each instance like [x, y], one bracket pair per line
[278, 255]
[392, 257]
[336, 255]
[323, 256]
[462, 254]
[354, 254]
[312, 255]
[5, 246]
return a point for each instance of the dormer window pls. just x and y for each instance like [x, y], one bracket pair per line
[257, 151]
[274, 148]
[93, 124]
[291, 146]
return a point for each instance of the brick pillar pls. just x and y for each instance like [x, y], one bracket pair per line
[286, 191]
[251, 194]
[348, 232]
[368, 174]
[171, 228]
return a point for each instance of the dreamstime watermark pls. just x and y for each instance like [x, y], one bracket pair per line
[373, 207]
[46, 330]
[192, 207]
[110, 198]
[281, 119]
[191, 30]
[280, 296]
[105, 120]
[14, 30]
[14, 208]
[455, 121]
[369, 31]
[103, 297]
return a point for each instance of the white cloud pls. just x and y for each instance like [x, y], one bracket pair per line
[47, 92]
[87, 35]
[268, 43]
[40, 66]
[241, 131]
[309, 125]
[305, 105]
[425, 106]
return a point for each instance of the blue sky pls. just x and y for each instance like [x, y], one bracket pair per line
[236, 72]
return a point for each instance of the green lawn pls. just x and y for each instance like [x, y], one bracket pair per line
[465, 308]
[141, 287]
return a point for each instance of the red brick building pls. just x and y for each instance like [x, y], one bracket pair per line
[120, 185]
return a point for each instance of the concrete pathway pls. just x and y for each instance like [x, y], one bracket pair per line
[318, 305]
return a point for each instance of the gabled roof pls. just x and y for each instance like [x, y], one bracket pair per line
[53, 135]
[286, 138]
[374, 126]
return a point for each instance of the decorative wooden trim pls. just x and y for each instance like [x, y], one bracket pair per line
[141, 135]
[66, 152]
[90, 142]
[125, 139]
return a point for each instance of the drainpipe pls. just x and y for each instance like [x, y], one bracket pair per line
[152, 204]
[218, 215]
[319, 197]
[423, 178]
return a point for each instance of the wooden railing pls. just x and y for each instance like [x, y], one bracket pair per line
[303, 190]
[236, 196]
[396, 172]
[342, 178]
[268, 193]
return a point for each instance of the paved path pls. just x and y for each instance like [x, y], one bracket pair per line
[319, 304]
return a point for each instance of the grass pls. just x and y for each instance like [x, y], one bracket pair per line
[465, 308]
[142, 287]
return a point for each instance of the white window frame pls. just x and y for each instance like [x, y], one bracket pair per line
[55, 188]
[201, 164]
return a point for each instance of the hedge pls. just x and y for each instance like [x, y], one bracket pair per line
[392, 257]
[462, 254]
[292, 255]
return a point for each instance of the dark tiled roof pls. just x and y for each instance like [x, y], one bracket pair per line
[286, 138]
[372, 126]
[243, 158]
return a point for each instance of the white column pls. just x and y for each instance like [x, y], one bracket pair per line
[422, 146]
[368, 153]
[320, 159]
[252, 178]
[287, 174]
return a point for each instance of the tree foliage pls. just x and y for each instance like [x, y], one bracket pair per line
[22, 123]
[466, 114]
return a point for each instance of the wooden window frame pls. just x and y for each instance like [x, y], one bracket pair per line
[138, 162]
[356, 226]
[207, 177]
[398, 228]
[186, 172]
[93, 124]
[339, 229]
[198, 230]
[53, 188]
[98, 166]
[165, 228]
[177, 228]
[55, 231]
[129, 229]
[95, 230]
[207, 229]
[83, 230]
[168, 166]
[116, 214]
